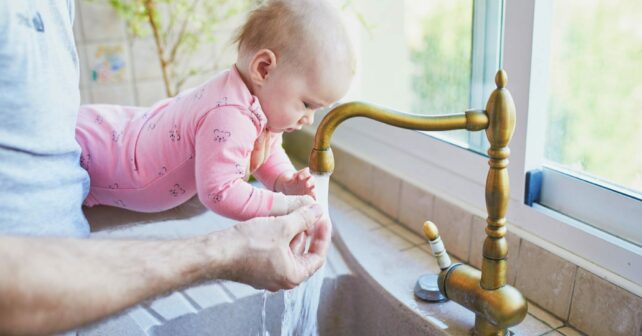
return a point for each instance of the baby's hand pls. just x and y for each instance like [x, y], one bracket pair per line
[299, 183]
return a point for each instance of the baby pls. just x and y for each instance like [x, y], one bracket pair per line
[294, 57]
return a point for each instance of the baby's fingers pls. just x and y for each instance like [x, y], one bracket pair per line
[303, 177]
[303, 174]
[312, 192]
[309, 184]
[306, 179]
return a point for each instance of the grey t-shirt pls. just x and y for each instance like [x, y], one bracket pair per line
[42, 185]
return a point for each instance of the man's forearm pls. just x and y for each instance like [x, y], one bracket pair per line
[52, 284]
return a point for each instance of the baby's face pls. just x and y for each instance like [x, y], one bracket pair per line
[289, 99]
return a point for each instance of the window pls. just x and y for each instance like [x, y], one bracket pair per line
[595, 91]
[439, 41]
[592, 166]
[444, 64]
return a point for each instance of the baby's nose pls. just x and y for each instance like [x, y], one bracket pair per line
[307, 120]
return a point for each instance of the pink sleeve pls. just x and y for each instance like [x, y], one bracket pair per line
[224, 141]
[277, 164]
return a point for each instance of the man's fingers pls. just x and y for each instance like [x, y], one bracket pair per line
[304, 200]
[321, 239]
[311, 263]
[297, 245]
[302, 218]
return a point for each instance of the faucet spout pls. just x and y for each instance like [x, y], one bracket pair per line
[321, 159]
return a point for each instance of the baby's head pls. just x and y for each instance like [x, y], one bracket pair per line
[296, 57]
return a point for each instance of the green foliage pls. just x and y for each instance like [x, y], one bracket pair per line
[180, 28]
[349, 6]
[595, 94]
[134, 14]
[442, 63]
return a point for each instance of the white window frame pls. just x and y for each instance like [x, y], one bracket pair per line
[486, 58]
[590, 201]
[459, 175]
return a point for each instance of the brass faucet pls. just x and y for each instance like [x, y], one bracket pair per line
[496, 304]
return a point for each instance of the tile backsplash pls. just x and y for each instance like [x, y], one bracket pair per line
[545, 278]
[576, 297]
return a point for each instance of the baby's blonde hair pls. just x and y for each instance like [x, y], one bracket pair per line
[294, 29]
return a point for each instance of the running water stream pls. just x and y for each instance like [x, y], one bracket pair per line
[264, 331]
[302, 303]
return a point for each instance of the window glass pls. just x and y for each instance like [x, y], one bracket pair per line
[439, 37]
[594, 124]
[415, 56]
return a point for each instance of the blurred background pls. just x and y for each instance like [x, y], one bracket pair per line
[121, 62]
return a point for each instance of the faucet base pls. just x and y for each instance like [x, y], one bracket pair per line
[485, 328]
[427, 289]
[495, 310]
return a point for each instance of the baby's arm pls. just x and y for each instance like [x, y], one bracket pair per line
[279, 174]
[224, 140]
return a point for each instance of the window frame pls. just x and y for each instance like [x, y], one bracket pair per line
[526, 50]
[562, 190]
[458, 175]
[486, 58]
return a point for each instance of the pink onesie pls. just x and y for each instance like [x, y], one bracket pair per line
[154, 158]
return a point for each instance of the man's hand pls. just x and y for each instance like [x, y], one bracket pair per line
[263, 256]
[297, 183]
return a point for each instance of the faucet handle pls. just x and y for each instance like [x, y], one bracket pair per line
[436, 244]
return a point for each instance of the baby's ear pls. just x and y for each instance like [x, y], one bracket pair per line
[262, 65]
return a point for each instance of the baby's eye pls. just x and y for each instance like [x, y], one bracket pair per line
[306, 105]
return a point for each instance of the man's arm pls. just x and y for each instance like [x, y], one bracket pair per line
[52, 284]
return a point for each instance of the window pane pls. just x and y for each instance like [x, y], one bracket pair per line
[439, 35]
[594, 119]
[415, 56]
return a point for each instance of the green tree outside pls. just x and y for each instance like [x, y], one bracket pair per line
[442, 61]
[594, 119]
